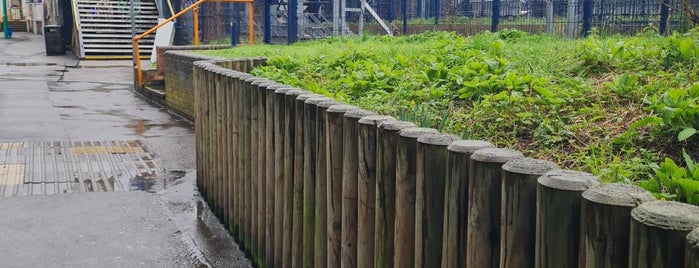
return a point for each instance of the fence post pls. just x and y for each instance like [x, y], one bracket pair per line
[334, 188]
[692, 247]
[549, 16]
[518, 234]
[290, 154]
[406, 161]
[255, 178]
[664, 15]
[495, 16]
[572, 18]
[456, 201]
[558, 198]
[366, 188]
[247, 164]
[279, 179]
[321, 208]
[587, 17]
[386, 191]
[484, 201]
[431, 173]
[269, 170]
[350, 166]
[297, 250]
[262, 168]
[219, 164]
[232, 121]
[605, 219]
[658, 233]
[310, 145]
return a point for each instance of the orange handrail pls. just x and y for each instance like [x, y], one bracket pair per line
[137, 53]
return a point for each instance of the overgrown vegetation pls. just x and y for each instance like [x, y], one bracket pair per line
[623, 108]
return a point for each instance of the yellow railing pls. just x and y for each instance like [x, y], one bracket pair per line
[195, 8]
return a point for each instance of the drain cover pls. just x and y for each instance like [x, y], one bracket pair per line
[37, 168]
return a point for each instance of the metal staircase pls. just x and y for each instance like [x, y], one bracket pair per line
[104, 27]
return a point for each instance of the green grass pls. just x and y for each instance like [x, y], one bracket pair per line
[613, 106]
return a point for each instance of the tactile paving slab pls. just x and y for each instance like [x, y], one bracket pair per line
[53, 167]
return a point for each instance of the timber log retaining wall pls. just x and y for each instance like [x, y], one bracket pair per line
[304, 181]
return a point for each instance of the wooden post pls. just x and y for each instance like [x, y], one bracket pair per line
[335, 115]
[431, 173]
[558, 198]
[691, 259]
[279, 180]
[310, 146]
[255, 177]
[604, 227]
[484, 201]
[406, 161]
[232, 141]
[518, 233]
[219, 160]
[243, 159]
[261, 168]
[322, 178]
[350, 173]
[289, 161]
[366, 188]
[297, 249]
[270, 172]
[456, 201]
[198, 77]
[384, 223]
[250, 149]
[658, 233]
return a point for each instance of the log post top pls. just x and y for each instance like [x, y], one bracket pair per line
[468, 146]
[495, 155]
[283, 90]
[395, 125]
[358, 114]
[341, 109]
[617, 194]
[258, 81]
[304, 96]
[315, 99]
[529, 166]
[568, 180]
[296, 92]
[669, 215]
[438, 139]
[374, 120]
[273, 86]
[251, 79]
[415, 132]
[328, 103]
[693, 238]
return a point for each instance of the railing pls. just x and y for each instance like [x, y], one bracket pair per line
[195, 8]
[78, 30]
[303, 181]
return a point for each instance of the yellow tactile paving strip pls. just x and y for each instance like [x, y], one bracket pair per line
[52, 167]
[12, 174]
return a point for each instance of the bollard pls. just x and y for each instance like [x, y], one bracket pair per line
[350, 165]
[334, 121]
[384, 223]
[431, 173]
[289, 157]
[404, 228]
[366, 188]
[692, 246]
[558, 201]
[484, 203]
[658, 233]
[518, 233]
[456, 201]
[310, 144]
[279, 145]
[321, 208]
[604, 227]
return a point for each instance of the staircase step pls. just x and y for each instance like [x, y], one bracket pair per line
[114, 51]
[126, 46]
[115, 36]
[114, 2]
[113, 25]
[115, 16]
[115, 10]
[113, 20]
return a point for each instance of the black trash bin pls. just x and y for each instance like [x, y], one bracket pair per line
[53, 37]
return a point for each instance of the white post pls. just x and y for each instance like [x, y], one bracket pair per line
[336, 17]
[572, 18]
[549, 16]
[360, 26]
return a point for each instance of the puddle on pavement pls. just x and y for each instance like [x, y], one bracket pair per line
[152, 183]
[29, 64]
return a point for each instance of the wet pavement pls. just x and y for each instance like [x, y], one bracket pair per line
[91, 174]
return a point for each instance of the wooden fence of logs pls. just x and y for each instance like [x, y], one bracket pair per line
[301, 180]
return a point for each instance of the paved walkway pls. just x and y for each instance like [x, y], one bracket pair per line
[92, 175]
